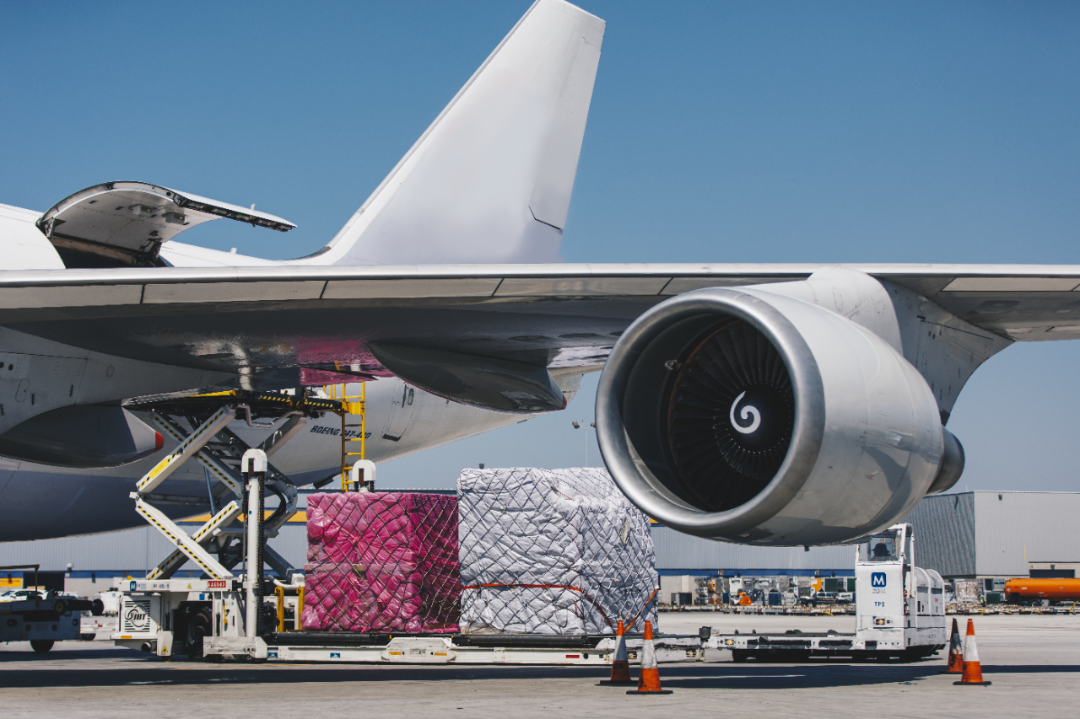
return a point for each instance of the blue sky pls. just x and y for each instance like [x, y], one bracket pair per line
[719, 132]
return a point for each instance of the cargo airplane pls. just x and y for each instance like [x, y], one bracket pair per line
[766, 404]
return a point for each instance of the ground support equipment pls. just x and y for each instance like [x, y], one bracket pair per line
[44, 621]
[796, 646]
[470, 649]
[900, 612]
[167, 615]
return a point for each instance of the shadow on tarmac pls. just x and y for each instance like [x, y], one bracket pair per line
[789, 676]
[1031, 669]
[818, 676]
[116, 667]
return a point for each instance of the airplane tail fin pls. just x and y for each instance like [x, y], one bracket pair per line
[490, 179]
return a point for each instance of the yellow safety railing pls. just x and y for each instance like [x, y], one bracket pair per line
[351, 405]
[298, 611]
[280, 592]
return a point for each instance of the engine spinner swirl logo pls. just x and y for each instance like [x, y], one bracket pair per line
[749, 412]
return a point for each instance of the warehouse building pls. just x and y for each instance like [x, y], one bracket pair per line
[682, 554]
[997, 535]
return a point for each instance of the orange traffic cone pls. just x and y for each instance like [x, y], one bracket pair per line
[972, 668]
[620, 667]
[649, 676]
[956, 651]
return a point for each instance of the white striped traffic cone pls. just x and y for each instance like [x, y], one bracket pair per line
[649, 676]
[972, 668]
[620, 667]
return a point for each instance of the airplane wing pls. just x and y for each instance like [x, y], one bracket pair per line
[497, 336]
[272, 321]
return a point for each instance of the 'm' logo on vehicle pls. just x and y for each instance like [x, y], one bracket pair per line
[877, 579]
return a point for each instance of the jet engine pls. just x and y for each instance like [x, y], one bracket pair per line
[753, 417]
[87, 436]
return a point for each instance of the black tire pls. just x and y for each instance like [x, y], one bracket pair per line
[41, 645]
[199, 626]
[97, 607]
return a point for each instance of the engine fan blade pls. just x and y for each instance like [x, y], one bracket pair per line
[731, 414]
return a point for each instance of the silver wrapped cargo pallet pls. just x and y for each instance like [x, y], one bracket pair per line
[552, 551]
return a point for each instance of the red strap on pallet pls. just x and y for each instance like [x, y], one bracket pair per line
[582, 592]
[646, 606]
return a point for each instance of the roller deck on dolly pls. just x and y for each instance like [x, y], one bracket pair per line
[155, 616]
[470, 648]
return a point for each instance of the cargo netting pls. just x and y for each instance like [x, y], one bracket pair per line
[382, 562]
[552, 552]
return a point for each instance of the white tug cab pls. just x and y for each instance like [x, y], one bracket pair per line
[900, 612]
[899, 605]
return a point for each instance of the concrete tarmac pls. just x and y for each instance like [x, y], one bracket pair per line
[1033, 662]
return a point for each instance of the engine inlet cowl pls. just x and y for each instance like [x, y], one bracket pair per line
[750, 416]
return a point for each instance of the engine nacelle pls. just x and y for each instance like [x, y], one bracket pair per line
[753, 417]
[87, 436]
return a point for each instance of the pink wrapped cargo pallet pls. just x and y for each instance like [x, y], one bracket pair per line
[382, 562]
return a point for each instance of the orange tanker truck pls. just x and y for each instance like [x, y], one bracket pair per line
[1034, 591]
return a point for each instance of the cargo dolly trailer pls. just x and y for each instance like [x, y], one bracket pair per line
[205, 619]
[548, 649]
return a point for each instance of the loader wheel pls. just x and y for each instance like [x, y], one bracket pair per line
[199, 624]
[41, 645]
